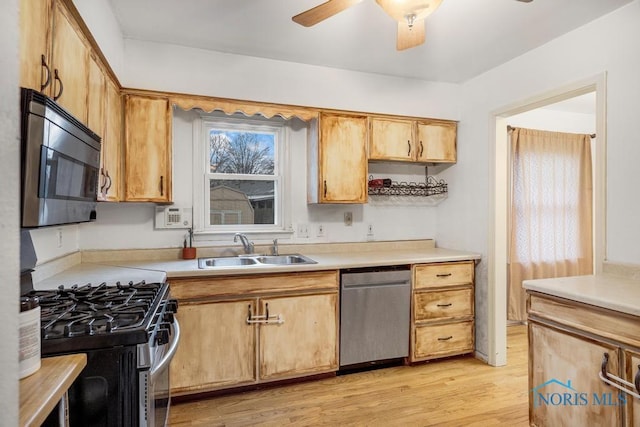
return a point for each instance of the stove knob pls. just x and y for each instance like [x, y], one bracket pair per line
[162, 336]
[167, 317]
[172, 305]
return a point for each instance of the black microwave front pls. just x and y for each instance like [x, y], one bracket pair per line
[60, 162]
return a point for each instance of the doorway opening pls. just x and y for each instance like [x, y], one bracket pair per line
[592, 89]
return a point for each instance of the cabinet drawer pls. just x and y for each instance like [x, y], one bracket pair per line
[443, 304]
[442, 340]
[445, 274]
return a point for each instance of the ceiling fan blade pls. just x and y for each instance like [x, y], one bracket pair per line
[409, 37]
[323, 11]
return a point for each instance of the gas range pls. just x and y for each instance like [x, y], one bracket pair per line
[129, 334]
[86, 317]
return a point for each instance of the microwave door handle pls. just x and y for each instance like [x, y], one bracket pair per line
[172, 351]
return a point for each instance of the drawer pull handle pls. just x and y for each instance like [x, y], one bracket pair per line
[615, 381]
[446, 338]
[444, 305]
[443, 275]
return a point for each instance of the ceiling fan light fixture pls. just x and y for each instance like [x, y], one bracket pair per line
[408, 11]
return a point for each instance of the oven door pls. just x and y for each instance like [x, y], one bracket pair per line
[155, 394]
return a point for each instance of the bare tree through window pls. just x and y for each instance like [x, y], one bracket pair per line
[241, 153]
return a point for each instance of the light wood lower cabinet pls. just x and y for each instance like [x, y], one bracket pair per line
[217, 347]
[568, 342]
[442, 320]
[262, 334]
[306, 340]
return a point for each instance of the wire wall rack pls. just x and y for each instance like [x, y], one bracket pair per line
[431, 191]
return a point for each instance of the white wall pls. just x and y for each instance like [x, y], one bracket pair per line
[187, 70]
[9, 212]
[132, 226]
[609, 44]
[99, 17]
[555, 121]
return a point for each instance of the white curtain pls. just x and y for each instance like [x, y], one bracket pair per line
[551, 210]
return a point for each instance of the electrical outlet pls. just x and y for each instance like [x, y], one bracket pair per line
[348, 219]
[303, 231]
[370, 230]
[59, 237]
[320, 230]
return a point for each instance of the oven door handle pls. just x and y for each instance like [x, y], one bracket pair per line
[172, 351]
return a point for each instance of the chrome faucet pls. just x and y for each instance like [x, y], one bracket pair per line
[248, 246]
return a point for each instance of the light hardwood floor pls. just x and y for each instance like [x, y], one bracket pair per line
[459, 391]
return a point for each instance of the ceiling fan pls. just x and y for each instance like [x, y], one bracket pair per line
[409, 14]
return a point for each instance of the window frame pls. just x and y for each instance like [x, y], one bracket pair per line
[201, 176]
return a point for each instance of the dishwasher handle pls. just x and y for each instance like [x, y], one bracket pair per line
[376, 278]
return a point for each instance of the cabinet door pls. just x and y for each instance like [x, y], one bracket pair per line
[306, 341]
[216, 349]
[71, 60]
[147, 149]
[343, 159]
[437, 142]
[632, 368]
[111, 145]
[391, 140]
[35, 42]
[565, 389]
[96, 98]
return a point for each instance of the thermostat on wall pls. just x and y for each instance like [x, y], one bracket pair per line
[173, 217]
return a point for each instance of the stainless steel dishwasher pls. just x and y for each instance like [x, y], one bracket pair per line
[375, 320]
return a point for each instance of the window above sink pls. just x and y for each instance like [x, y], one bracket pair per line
[241, 173]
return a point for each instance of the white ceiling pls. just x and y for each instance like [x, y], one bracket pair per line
[464, 37]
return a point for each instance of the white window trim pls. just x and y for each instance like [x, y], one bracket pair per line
[201, 195]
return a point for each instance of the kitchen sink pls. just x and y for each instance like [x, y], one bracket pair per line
[285, 259]
[257, 260]
[225, 262]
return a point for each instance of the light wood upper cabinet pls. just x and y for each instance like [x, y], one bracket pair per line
[35, 43]
[111, 160]
[148, 154]
[306, 341]
[338, 159]
[392, 140]
[70, 64]
[408, 140]
[437, 141]
[96, 98]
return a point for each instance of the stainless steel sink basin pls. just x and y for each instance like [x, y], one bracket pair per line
[257, 260]
[285, 259]
[225, 262]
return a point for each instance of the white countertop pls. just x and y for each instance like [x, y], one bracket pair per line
[607, 291]
[325, 261]
[96, 274]
[153, 271]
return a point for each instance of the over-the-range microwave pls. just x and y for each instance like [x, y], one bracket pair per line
[60, 159]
